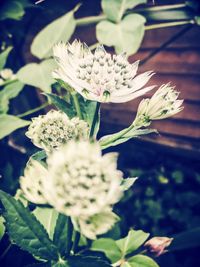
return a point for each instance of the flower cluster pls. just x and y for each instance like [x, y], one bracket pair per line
[161, 105]
[80, 183]
[99, 76]
[55, 129]
[6, 74]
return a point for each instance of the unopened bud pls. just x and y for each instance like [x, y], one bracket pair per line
[157, 245]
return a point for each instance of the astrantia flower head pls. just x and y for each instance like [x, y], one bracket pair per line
[55, 129]
[99, 76]
[32, 182]
[81, 181]
[161, 105]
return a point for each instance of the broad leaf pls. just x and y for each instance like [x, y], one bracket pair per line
[132, 242]
[9, 124]
[12, 10]
[125, 36]
[81, 261]
[142, 261]
[109, 247]
[62, 105]
[115, 9]
[8, 92]
[47, 217]
[59, 30]
[38, 75]
[3, 57]
[63, 234]
[2, 227]
[25, 230]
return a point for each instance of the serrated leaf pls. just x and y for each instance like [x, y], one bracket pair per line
[114, 10]
[8, 92]
[47, 217]
[25, 230]
[109, 247]
[4, 56]
[62, 105]
[125, 36]
[9, 124]
[38, 75]
[63, 234]
[142, 261]
[81, 261]
[132, 242]
[59, 30]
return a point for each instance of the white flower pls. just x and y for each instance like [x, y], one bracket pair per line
[81, 181]
[99, 76]
[6, 74]
[97, 224]
[161, 105]
[32, 182]
[55, 129]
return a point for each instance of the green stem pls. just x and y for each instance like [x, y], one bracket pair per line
[90, 20]
[161, 7]
[168, 24]
[76, 242]
[7, 82]
[32, 110]
[77, 106]
[69, 236]
[5, 251]
[95, 118]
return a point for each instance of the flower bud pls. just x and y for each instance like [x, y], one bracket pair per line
[157, 245]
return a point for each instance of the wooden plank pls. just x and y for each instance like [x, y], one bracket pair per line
[181, 61]
[191, 111]
[168, 126]
[155, 38]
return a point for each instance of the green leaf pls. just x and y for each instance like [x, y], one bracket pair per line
[126, 35]
[82, 261]
[128, 182]
[2, 227]
[115, 9]
[25, 230]
[8, 92]
[9, 124]
[12, 10]
[142, 261]
[63, 234]
[123, 136]
[107, 246]
[47, 217]
[38, 75]
[3, 57]
[62, 105]
[132, 242]
[186, 240]
[89, 108]
[40, 155]
[59, 30]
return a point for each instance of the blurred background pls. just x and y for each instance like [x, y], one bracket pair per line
[165, 199]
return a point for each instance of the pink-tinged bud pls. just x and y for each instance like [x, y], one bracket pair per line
[157, 245]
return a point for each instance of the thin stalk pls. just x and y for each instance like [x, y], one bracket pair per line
[32, 110]
[76, 242]
[69, 236]
[89, 20]
[7, 82]
[168, 24]
[161, 7]
[77, 106]
[95, 118]
[5, 251]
